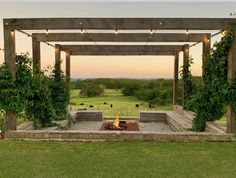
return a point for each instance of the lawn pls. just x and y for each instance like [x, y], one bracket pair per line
[120, 103]
[116, 159]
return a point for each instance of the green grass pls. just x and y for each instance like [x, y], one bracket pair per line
[29, 159]
[123, 104]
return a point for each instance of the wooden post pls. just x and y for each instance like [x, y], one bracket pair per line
[36, 56]
[68, 74]
[57, 53]
[231, 115]
[185, 62]
[10, 60]
[206, 50]
[176, 78]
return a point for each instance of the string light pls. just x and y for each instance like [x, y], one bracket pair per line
[116, 31]
[151, 31]
[82, 31]
[208, 39]
[186, 32]
[46, 31]
[12, 32]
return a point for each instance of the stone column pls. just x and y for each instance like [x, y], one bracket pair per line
[206, 50]
[68, 74]
[185, 62]
[36, 56]
[176, 78]
[10, 60]
[231, 115]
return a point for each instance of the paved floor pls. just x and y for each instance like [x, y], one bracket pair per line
[96, 125]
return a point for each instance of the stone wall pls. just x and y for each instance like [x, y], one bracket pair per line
[116, 136]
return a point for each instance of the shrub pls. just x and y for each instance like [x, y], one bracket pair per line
[91, 90]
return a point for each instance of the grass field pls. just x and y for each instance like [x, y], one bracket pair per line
[120, 103]
[29, 159]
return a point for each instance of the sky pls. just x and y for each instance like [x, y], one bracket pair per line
[112, 66]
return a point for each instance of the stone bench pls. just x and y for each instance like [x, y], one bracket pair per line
[88, 116]
[152, 116]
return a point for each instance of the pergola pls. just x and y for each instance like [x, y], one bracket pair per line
[10, 25]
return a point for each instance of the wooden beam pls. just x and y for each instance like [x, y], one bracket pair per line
[206, 49]
[176, 79]
[121, 23]
[185, 62]
[57, 53]
[122, 49]
[122, 37]
[10, 60]
[36, 56]
[68, 74]
[231, 115]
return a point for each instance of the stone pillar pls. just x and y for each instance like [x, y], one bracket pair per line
[206, 50]
[176, 78]
[231, 115]
[185, 62]
[36, 56]
[57, 53]
[10, 60]
[68, 74]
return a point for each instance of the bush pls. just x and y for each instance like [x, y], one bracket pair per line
[91, 90]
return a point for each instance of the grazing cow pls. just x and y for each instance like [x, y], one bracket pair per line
[111, 105]
[81, 104]
[105, 103]
[150, 106]
[91, 106]
[137, 105]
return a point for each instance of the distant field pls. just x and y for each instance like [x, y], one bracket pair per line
[120, 103]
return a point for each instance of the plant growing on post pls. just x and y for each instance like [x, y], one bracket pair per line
[59, 95]
[39, 108]
[190, 87]
[210, 101]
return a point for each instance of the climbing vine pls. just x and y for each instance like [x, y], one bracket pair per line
[211, 99]
[59, 95]
[187, 78]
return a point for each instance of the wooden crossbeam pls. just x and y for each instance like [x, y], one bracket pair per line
[120, 23]
[122, 37]
[122, 50]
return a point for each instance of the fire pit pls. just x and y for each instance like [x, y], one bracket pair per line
[127, 126]
[120, 125]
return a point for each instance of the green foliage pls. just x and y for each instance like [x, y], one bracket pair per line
[188, 81]
[210, 101]
[40, 108]
[9, 93]
[2, 120]
[59, 95]
[23, 78]
[91, 90]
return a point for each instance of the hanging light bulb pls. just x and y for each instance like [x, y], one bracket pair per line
[46, 31]
[151, 31]
[116, 31]
[186, 32]
[208, 39]
[82, 31]
[12, 32]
